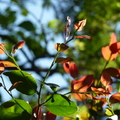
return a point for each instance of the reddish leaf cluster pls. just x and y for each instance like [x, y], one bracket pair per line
[80, 87]
[4, 64]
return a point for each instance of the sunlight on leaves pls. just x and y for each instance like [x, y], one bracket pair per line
[80, 25]
[60, 105]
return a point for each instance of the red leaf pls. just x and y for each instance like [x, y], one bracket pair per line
[50, 116]
[81, 85]
[15, 85]
[63, 60]
[35, 112]
[113, 72]
[83, 36]
[115, 98]
[80, 25]
[66, 67]
[2, 48]
[2, 68]
[74, 71]
[106, 79]
[19, 45]
[71, 68]
[8, 64]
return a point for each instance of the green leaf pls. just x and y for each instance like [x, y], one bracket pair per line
[28, 85]
[27, 25]
[109, 111]
[10, 110]
[60, 105]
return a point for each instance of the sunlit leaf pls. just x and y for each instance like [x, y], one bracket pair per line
[28, 85]
[110, 52]
[63, 60]
[107, 54]
[83, 36]
[106, 79]
[113, 38]
[115, 98]
[10, 110]
[7, 64]
[80, 25]
[2, 48]
[60, 105]
[81, 85]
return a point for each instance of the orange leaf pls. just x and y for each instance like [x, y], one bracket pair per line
[113, 72]
[8, 64]
[83, 36]
[110, 52]
[2, 48]
[63, 60]
[66, 67]
[106, 79]
[115, 98]
[80, 25]
[113, 38]
[15, 85]
[81, 85]
[2, 68]
[107, 54]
